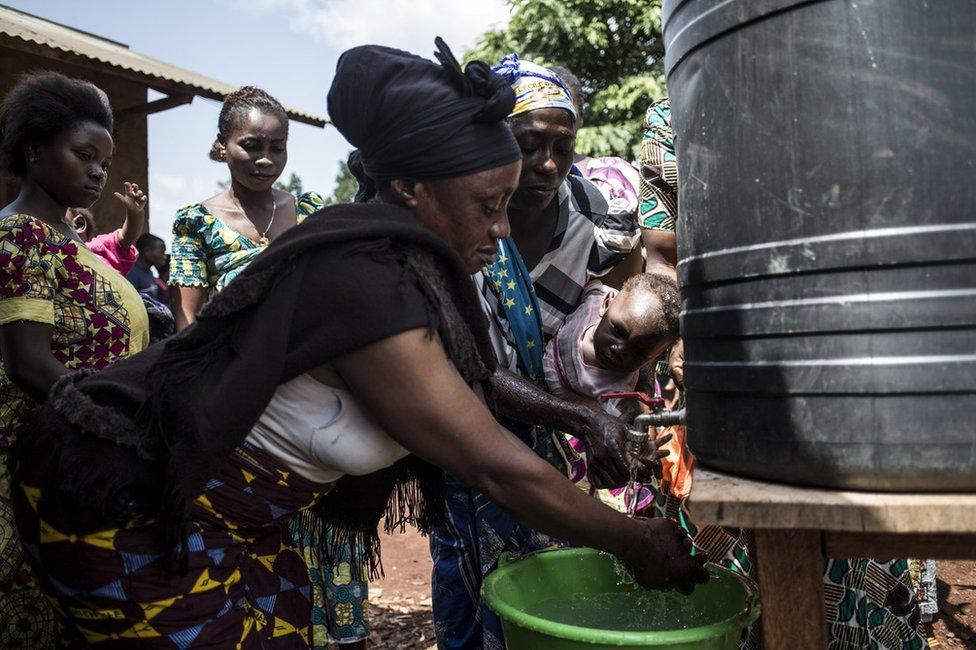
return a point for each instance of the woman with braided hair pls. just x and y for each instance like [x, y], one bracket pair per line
[215, 239]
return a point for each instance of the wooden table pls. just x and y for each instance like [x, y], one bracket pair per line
[796, 527]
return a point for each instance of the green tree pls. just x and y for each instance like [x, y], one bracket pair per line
[616, 49]
[345, 186]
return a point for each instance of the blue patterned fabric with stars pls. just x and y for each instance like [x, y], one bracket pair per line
[517, 297]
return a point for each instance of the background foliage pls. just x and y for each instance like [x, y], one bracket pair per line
[616, 49]
[345, 186]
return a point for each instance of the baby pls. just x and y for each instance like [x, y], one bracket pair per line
[604, 344]
[602, 349]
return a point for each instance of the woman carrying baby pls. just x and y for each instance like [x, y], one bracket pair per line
[562, 236]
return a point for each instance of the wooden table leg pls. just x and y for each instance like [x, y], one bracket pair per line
[790, 568]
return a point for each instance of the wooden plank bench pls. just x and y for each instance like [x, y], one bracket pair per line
[795, 527]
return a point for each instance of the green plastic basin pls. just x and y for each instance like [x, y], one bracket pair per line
[570, 586]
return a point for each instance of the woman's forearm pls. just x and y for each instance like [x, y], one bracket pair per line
[661, 250]
[37, 377]
[132, 227]
[535, 493]
[602, 434]
[523, 401]
[182, 320]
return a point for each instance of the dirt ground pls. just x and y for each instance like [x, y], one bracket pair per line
[401, 601]
[955, 628]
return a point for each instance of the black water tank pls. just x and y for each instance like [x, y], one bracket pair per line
[827, 237]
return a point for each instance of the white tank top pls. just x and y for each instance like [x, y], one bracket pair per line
[322, 433]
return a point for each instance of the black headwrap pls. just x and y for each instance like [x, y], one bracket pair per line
[412, 118]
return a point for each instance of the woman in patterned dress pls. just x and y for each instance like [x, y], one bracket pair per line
[61, 307]
[150, 496]
[563, 235]
[213, 241]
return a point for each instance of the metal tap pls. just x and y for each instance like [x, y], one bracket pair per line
[659, 418]
[638, 436]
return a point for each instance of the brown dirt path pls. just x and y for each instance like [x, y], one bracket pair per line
[955, 627]
[400, 602]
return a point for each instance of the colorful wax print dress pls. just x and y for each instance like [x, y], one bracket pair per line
[658, 182]
[245, 586]
[208, 253]
[97, 317]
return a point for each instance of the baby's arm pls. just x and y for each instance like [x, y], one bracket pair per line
[134, 202]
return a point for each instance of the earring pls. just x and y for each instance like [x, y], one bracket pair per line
[223, 153]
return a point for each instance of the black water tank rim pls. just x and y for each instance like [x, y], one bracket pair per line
[676, 50]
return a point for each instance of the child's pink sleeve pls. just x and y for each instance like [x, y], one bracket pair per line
[107, 247]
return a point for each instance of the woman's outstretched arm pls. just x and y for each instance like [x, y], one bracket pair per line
[409, 385]
[604, 435]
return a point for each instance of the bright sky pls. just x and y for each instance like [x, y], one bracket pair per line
[287, 47]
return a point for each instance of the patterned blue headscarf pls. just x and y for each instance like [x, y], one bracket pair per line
[535, 87]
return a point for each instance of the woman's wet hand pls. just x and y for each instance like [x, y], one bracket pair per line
[606, 457]
[660, 557]
[649, 464]
[607, 460]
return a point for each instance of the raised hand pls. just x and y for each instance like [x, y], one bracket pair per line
[132, 198]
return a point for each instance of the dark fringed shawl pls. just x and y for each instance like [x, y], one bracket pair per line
[142, 437]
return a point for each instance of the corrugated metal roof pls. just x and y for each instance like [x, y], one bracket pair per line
[154, 73]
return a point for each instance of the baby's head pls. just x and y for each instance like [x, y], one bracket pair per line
[82, 220]
[639, 324]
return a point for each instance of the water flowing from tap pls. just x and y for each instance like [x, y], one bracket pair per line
[636, 442]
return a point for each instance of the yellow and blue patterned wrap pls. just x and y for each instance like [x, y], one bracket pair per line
[535, 87]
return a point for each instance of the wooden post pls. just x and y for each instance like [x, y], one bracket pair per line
[790, 566]
[144, 109]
